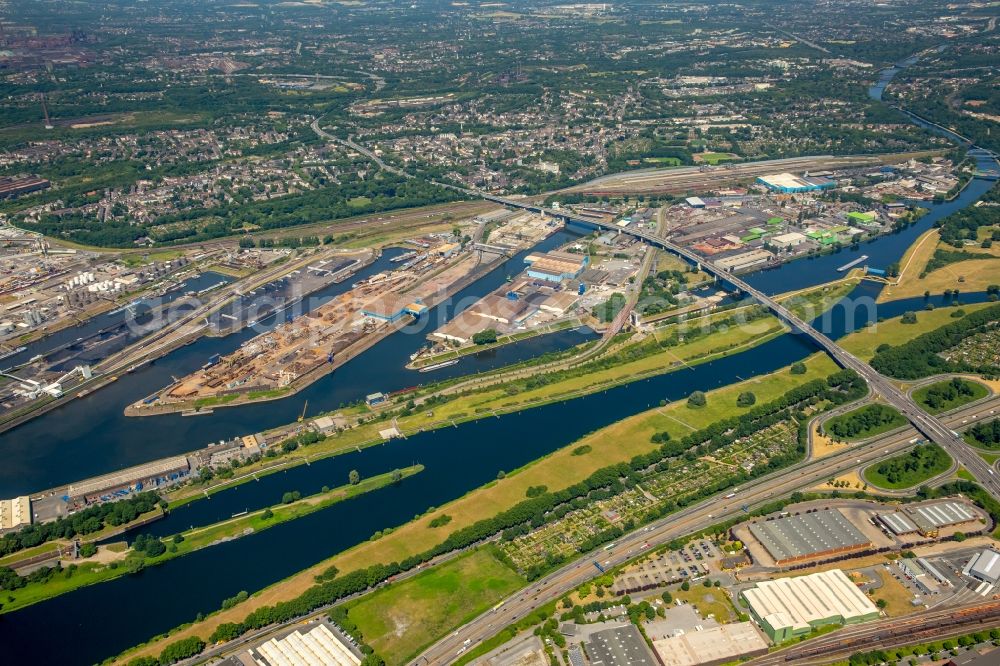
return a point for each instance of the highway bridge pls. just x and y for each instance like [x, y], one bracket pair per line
[927, 425]
[924, 423]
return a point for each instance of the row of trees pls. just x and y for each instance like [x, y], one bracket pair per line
[87, 521]
[920, 357]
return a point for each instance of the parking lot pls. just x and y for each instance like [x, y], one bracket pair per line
[696, 560]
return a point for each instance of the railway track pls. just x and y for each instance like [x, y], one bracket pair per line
[887, 634]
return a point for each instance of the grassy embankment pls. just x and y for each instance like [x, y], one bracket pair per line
[863, 343]
[976, 392]
[500, 399]
[400, 620]
[106, 566]
[967, 275]
[501, 341]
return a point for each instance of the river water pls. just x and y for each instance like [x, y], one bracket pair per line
[81, 438]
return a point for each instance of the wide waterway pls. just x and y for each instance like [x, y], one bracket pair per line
[103, 619]
[91, 435]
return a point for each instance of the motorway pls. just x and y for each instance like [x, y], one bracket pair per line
[801, 476]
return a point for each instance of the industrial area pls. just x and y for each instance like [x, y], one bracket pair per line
[283, 360]
[771, 581]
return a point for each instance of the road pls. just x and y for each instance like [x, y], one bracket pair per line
[712, 511]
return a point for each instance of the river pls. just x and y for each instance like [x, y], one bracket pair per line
[104, 619]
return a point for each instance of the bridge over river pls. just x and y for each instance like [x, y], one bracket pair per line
[928, 425]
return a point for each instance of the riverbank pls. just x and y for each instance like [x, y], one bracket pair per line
[970, 274]
[110, 563]
[429, 360]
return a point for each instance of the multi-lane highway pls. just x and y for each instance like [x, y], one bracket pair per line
[804, 475]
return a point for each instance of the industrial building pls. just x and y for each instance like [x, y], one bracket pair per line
[809, 536]
[15, 513]
[924, 575]
[620, 646]
[14, 187]
[556, 266]
[984, 566]
[745, 260]
[134, 479]
[318, 646]
[927, 519]
[390, 307]
[789, 240]
[787, 183]
[709, 647]
[788, 607]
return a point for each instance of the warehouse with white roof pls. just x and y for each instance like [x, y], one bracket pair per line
[317, 647]
[928, 519]
[985, 567]
[789, 607]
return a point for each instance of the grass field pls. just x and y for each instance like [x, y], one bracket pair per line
[978, 392]
[892, 331]
[908, 471]
[967, 275]
[831, 424]
[708, 601]
[403, 618]
[715, 158]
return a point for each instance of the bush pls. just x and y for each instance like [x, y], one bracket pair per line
[746, 399]
[487, 337]
[798, 368]
[697, 399]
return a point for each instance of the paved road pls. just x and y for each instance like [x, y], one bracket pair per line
[798, 477]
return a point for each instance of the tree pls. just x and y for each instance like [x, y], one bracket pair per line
[667, 598]
[685, 586]
[354, 477]
[746, 399]
[697, 399]
[881, 603]
[909, 318]
[268, 514]
[487, 337]
[396, 476]
[88, 550]
[798, 368]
